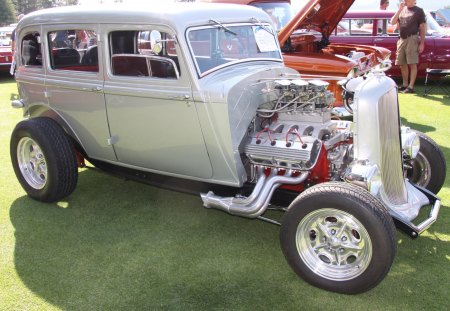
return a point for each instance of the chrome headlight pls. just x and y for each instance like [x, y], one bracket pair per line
[365, 175]
[410, 142]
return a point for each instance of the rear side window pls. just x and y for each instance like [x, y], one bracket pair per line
[74, 50]
[31, 50]
[147, 53]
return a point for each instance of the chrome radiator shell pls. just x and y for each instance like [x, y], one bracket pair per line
[377, 138]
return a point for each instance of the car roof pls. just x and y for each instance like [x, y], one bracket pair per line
[175, 15]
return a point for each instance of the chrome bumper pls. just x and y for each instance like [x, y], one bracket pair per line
[415, 230]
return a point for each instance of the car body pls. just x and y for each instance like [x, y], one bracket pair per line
[436, 54]
[304, 40]
[198, 97]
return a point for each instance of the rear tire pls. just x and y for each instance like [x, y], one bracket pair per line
[43, 159]
[428, 167]
[338, 237]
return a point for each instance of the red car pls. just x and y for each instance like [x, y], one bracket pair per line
[374, 28]
[5, 48]
[5, 58]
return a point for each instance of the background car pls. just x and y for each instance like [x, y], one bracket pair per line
[5, 35]
[5, 48]
[5, 58]
[374, 28]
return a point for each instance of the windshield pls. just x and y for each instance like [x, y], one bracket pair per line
[433, 27]
[281, 13]
[220, 45]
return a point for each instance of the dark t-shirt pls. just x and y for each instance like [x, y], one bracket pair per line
[13, 34]
[409, 20]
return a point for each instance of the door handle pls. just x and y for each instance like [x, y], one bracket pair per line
[377, 40]
[180, 97]
[92, 89]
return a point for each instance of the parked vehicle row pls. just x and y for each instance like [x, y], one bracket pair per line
[197, 98]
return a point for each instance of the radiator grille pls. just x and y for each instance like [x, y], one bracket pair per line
[391, 161]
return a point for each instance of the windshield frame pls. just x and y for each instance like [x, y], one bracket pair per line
[223, 29]
[433, 28]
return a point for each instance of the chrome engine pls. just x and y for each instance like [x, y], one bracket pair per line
[294, 125]
[294, 130]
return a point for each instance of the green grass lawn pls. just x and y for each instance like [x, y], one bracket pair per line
[120, 245]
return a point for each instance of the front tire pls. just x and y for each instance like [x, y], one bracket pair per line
[43, 159]
[428, 168]
[338, 237]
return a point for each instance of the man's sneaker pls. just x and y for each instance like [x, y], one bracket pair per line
[408, 91]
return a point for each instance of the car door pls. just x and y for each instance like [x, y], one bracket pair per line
[74, 85]
[152, 116]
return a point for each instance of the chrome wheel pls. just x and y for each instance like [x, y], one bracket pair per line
[32, 163]
[333, 244]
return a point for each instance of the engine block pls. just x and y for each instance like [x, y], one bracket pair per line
[284, 149]
[290, 131]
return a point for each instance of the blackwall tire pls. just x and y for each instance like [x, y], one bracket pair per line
[428, 168]
[43, 159]
[338, 237]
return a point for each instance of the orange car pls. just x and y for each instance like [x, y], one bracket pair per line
[304, 38]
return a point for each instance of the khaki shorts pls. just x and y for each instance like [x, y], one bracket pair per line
[407, 50]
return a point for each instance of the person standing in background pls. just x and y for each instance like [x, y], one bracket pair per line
[410, 19]
[384, 4]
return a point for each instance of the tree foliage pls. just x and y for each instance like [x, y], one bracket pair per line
[27, 6]
[9, 9]
[7, 12]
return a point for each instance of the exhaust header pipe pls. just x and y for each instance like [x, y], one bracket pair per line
[256, 203]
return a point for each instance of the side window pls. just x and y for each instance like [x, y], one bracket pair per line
[354, 27]
[148, 53]
[74, 50]
[31, 50]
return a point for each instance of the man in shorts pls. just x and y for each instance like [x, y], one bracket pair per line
[410, 19]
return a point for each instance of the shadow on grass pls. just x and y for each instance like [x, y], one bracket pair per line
[5, 77]
[424, 128]
[438, 94]
[115, 244]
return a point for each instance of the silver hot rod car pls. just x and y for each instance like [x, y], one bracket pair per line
[200, 93]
